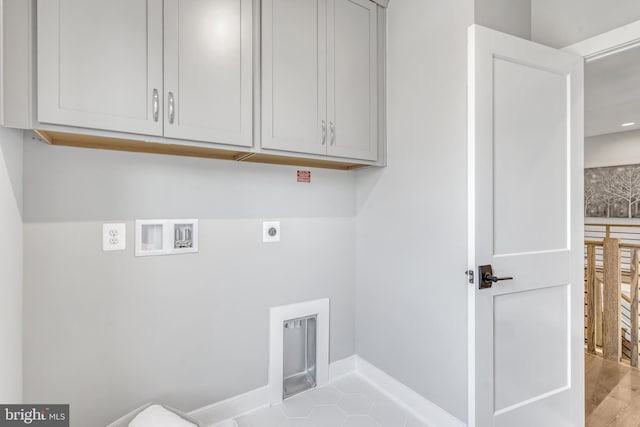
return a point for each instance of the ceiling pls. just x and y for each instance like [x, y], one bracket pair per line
[612, 93]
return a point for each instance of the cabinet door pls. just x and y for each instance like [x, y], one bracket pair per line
[209, 70]
[294, 75]
[100, 64]
[352, 93]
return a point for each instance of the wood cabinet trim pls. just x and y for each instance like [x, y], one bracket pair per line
[119, 144]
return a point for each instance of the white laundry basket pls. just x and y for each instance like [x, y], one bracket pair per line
[125, 420]
[227, 423]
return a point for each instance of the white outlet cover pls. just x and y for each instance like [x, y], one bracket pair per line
[113, 237]
[271, 231]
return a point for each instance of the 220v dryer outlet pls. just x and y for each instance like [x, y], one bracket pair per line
[271, 231]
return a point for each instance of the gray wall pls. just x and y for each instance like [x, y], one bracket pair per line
[560, 23]
[411, 315]
[509, 16]
[11, 266]
[621, 148]
[107, 331]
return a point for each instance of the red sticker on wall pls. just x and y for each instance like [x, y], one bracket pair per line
[304, 176]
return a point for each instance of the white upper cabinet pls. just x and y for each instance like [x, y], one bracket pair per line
[294, 75]
[208, 71]
[352, 83]
[100, 64]
[185, 70]
[123, 65]
[319, 77]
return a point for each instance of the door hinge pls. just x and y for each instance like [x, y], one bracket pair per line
[470, 274]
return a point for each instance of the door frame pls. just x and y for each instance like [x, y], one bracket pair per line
[592, 48]
[609, 43]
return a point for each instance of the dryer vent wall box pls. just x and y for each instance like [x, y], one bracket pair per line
[166, 237]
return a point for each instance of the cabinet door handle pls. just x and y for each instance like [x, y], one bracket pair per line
[156, 105]
[172, 108]
[333, 132]
[324, 132]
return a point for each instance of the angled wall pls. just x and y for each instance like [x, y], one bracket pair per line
[411, 216]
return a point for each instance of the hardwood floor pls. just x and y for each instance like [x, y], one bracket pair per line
[612, 394]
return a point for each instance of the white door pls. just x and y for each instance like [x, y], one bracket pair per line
[525, 220]
[352, 79]
[208, 66]
[100, 64]
[294, 74]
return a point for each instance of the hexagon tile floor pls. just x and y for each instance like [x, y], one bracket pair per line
[347, 402]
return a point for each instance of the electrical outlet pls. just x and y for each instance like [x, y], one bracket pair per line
[271, 231]
[113, 237]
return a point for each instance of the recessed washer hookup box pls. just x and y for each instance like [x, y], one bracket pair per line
[34, 415]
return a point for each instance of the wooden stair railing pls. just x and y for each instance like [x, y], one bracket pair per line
[603, 300]
[635, 258]
[591, 298]
[612, 344]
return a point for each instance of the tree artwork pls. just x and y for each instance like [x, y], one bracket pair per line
[590, 194]
[612, 192]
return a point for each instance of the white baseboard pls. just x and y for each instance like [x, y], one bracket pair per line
[232, 407]
[342, 367]
[422, 408]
